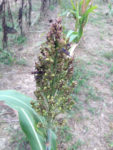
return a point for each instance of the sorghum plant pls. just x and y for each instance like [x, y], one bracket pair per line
[54, 88]
[80, 12]
[53, 74]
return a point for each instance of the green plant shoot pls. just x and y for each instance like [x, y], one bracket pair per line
[80, 12]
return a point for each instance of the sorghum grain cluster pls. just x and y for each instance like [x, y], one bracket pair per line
[53, 75]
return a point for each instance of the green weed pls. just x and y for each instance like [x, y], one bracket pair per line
[92, 110]
[111, 70]
[111, 144]
[107, 75]
[111, 86]
[67, 137]
[108, 55]
[81, 75]
[6, 57]
[97, 19]
[111, 117]
[21, 39]
[21, 62]
[75, 146]
[93, 94]
[19, 141]
[65, 134]
[65, 4]
[109, 139]
[110, 9]
[52, 7]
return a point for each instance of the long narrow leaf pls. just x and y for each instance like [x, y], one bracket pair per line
[90, 10]
[17, 100]
[28, 123]
[72, 3]
[53, 140]
[28, 118]
[87, 3]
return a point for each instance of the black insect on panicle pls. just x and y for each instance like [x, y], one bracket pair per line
[39, 72]
[39, 75]
[65, 51]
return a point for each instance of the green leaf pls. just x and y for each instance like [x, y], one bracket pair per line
[90, 10]
[86, 14]
[111, 12]
[80, 33]
[69, 33]
[28, 118]
[73, 37]
[17, 100]
[28, 123]
[53, 140]
[72, 3]
[111, 144]
[80, 5]
[77, 12]
[110, 6]
[87, 3]
[73, 12]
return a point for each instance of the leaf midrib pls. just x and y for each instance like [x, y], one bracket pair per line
[36, 135]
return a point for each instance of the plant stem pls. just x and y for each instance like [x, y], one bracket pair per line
[48, 146]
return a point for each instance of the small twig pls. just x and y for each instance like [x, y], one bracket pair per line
[9, 121]
[36, 31]
[109, 42]
[35, 21]
[6, 113]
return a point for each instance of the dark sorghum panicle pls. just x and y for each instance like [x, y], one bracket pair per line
[53, 74]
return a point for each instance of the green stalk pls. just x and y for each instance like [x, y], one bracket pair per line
[48, 140]
[48, 146]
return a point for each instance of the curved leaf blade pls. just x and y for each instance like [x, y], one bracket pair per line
[69, 33]
[53, 140]
[17, 100]
[73, 37]
[28, 124]
[28, 118]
